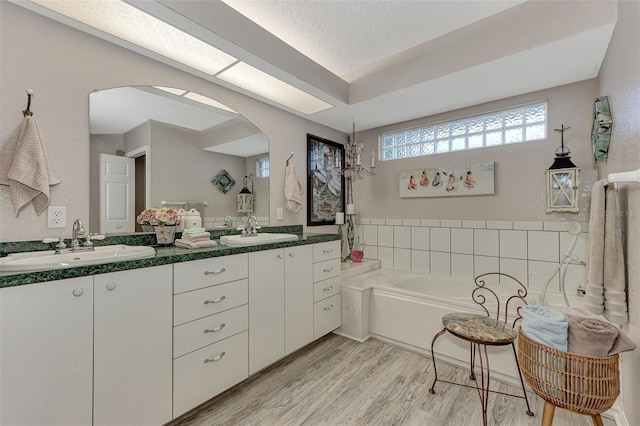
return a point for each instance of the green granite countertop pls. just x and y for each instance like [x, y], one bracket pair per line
[164, 255]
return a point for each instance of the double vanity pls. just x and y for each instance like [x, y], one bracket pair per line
[143, 341]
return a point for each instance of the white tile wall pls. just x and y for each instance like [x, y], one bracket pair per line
[544, 246]
[420, 238]
[462, 241]
[402, 259]
[385, 236]
[529, 251]
[486, 242]
[440, 239]
[402, 236]
[420, 261]
[513, 244]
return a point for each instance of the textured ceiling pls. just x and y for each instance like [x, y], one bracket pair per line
[347, 37]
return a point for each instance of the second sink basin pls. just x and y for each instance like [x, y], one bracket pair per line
[44, 260]
[263, 238]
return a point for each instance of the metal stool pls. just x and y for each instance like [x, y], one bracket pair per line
[482, 330]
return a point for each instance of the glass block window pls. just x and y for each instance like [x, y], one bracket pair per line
[514, 125]
[262, 167]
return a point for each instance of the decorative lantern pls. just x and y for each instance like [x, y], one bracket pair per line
[245, 197]
[562, 180]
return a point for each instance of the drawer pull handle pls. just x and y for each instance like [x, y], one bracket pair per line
[328, 288]
[77, 292]
[218, 300]
[215, 329]
[290, 254]
[327, 269]
[215, 358]
[327, 251]
[279, 256]
[328, 308]
[216, 272]
[111, 286]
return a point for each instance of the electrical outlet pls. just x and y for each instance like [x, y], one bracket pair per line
[56, 217]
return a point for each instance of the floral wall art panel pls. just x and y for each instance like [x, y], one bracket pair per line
[469, 179]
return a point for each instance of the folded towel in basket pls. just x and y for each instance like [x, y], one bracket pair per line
[545, 325]
[594, 337]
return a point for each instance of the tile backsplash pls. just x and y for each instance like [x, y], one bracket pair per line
[530, 251]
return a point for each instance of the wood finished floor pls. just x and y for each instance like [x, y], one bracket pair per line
[341, 382]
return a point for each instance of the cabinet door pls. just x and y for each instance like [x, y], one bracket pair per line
[46, 339]
[266, 308]
[298, 297]
[133, 347]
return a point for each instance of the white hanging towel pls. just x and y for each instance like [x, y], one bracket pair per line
[293, 190]
[606, 292]
[25, 168]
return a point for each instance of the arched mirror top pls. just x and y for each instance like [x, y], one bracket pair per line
[179, 142]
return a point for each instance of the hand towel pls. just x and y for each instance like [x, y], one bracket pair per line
[545, 325]
[594, 337]
[293, 190]
[196, 235]
[25, 167]
[594, 299]
[615, 295]
[195, 244]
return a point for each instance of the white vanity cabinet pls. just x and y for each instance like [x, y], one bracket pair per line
[133, 347]
[327, 307]
[266, 308]
[46, 337]
[298, 297]
[210, 338]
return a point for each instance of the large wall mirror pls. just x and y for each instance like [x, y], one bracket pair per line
[164, 147]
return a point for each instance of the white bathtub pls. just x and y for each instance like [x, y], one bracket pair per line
[406, 309]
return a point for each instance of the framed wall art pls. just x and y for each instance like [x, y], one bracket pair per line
[325, 183]
[452, 181]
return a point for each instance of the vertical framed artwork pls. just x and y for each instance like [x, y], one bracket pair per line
[325, 183]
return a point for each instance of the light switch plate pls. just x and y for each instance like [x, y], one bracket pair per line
[56, 217]
[280, 213]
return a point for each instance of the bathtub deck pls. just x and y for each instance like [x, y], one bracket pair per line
[337, 381]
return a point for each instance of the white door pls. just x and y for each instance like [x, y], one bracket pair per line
[117, 194]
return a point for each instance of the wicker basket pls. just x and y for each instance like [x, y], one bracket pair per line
[583, 384]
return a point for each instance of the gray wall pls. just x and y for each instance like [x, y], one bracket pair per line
[619, 80]
[63, 66]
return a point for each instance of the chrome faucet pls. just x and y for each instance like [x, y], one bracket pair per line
[249, 227]
[78, 229]
[228, 222]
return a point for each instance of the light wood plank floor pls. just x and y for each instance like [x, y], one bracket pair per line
[337, 381]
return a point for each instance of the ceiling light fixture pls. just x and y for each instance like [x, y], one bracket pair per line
[131, 24]
[207, 101]
[172, 90]
[252, 79]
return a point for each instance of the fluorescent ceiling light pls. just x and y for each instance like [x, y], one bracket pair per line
[128, 23]
[252, 79]
[207, 101]
[177, 92]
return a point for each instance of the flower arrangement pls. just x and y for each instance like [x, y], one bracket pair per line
[165, 216]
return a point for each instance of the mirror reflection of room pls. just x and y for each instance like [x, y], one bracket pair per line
[164, 147]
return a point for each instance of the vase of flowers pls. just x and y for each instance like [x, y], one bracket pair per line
[163, 221]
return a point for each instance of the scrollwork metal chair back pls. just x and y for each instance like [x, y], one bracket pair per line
[495, 279]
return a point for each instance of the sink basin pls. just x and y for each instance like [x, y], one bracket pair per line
[45, 260]
[263, 238]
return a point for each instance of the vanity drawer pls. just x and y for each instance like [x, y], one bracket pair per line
[197, 334]
[196, 304]
[201, 375]
[326, 288]
[327, 315]
[207, 272]
[326, 251]
[325, 270]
